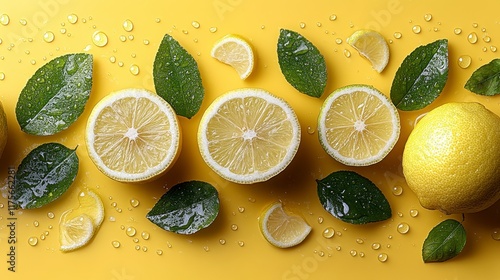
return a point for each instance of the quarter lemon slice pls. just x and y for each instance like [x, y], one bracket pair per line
[281, 229]
[358, 125]
[248, 135]
[75, 232]
[371, 45]
[235, 51]
[133, 135]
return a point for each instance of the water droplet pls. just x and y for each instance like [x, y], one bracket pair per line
[51, 215]
[137, 247]
[318, 24]
[347, 53]
[390, 237]
[403, 228]
[100, 39]
[376, 246]
[145, 235]
[475, 25]
[484, 49]
[128, 25]
[116, 244]
[123, 38]
[234, 227]
[397, 35]
[338, 41]
[112, 219]
[206, 248]
[134, 69]
[157, 20]
[241, 243]
[159, 252]
[302, 25]
[338, 248]
[134, 202]
[397, 190]
[62, 30]
[329, 232]
[487, 39]
[23, 21]
[427, 17]
[493, 48]
[4, 19]
[33, 241]
[131, 231]
[131, 37]
[457, 31]
[382, 257]
[464, 61]
[48, 36]
[496, 234]
[144, 248]
[472, 38]
[333, 17]
[112, 59]
[311, 130]
[72, 18]
[353, 253]
[251, 199]
[33, 62]
[195, 24]
[436, 29]
[241, 209]
[2, 76]
[413, 213]
[222, 241]
[145, 42]
[360, 241]
[120, 63]
[213, 29]
[114, 204]
[320, 220]
[136, 240]
[416, 29]
[338, 233]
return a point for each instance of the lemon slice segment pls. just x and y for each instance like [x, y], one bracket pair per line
[133, 135]
[248, 135]
[358, 125]
[281, 229]
[91, 205]
[372, 46]
[235, 51]
[75, 232]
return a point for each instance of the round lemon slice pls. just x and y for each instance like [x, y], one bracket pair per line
[133, 135]
[75, 232]
[235, 51]
[248, 135]
[281, 229]
[372, 46]
[358, 125]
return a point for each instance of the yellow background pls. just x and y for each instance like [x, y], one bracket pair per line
[245, 254]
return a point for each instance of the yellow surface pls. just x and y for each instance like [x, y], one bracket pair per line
[244, 254]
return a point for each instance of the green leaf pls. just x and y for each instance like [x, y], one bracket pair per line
[177, 78]
[56, 95]
[186, 208]
[421, 77]
[486, 79]
[444, 241]
[353, 198]
[301, 63]
[44, 175]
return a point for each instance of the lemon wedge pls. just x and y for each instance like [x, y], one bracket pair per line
[133, 135]
[75, 232]
[281, 229]
[235, 51]
[372, 46]
[248, 135]
[358, 125]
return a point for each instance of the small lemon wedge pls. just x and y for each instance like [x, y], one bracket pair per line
[235, 51]
[371, 45]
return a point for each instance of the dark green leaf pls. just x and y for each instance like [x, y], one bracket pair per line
[353, 198]
[301, 63]
[56, 95]
[186, 208]
[44, 175]
[486, 79]
[444, 241]
[421, 77]
[177, 78]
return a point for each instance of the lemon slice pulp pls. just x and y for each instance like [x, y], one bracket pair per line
[281, 229]
[372, 46]
[358, 125]
[133, 135]
[248, 135]
[75, 232]
[235, 51]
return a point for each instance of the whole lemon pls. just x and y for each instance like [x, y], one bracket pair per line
[452, 158]
[3, 129]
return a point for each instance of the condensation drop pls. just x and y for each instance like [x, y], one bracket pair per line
[100, 39]
[222, 241]
[157, 20]
[464, 61]
[72, 18]
[51, 215]
[338, 41]
[496, 234]
[123, 38]
[128, 25]
[145, 235]
[376, 246]
[475, 25]
[234, 227]
[347, 53]
[134, 202]
[487, 39]
[2, 76]
[241, 243]
[403, 228]
[23, 21]
[472, 38]
[195, 24]
[493, 48]
[112, 59]
[131, 231]
[302, 25]
[457, 31]
[63, 30]
[212, 29]
[413, 213]
[48, 36]
[320, 220]
[427, 17]
[383, 257]
[33, 241]
[397, 190]
[397, 35]
[116, 244]
[4, 19]
[329, 232]
[333, 17]
[145, 42]
[159, 252]
[360, 241]
[416, 29]
[36, 223]
[311, 130]
[353, 253]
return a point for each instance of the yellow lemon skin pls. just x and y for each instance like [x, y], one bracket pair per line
[451, 159]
